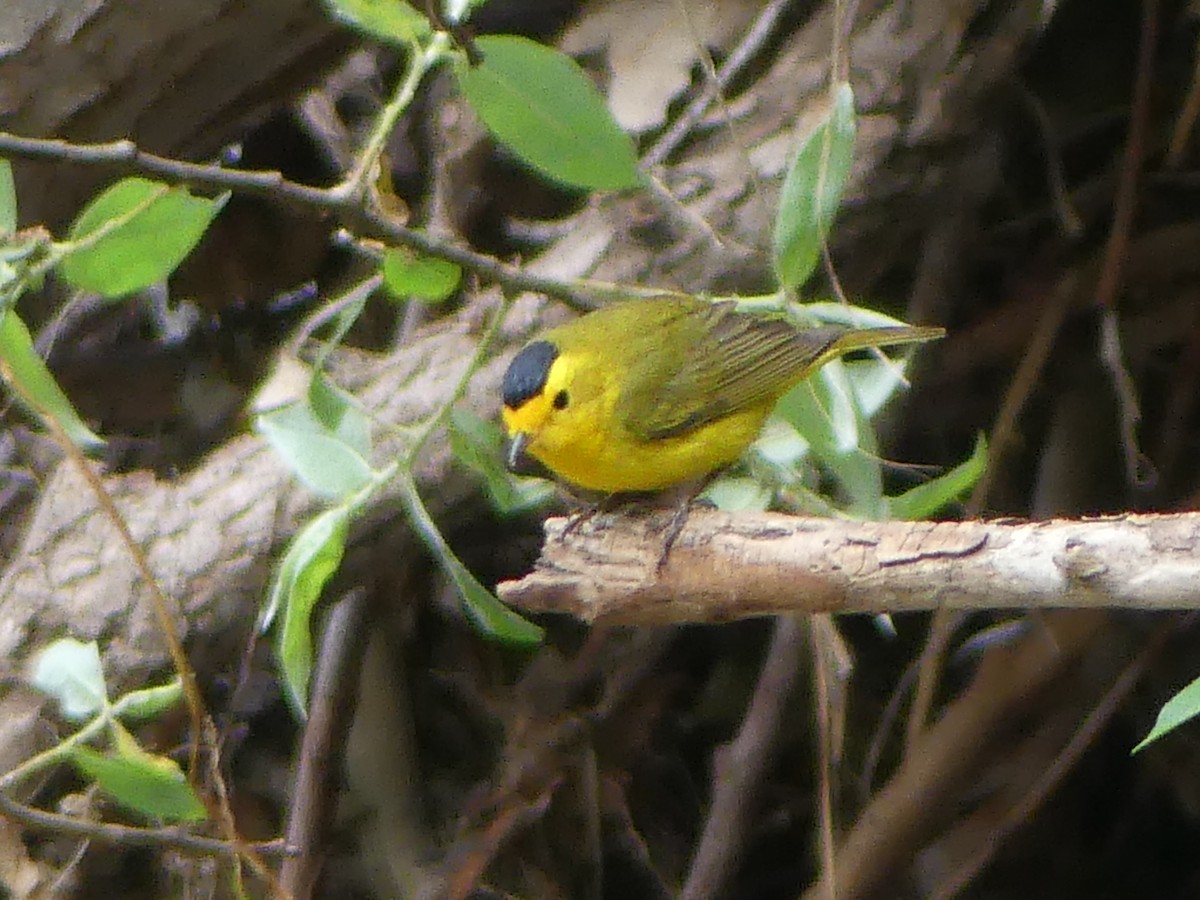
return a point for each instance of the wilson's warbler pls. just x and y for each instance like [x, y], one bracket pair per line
[646, 394]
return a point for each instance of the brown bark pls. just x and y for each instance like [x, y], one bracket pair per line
[729, 566]
[180, 78]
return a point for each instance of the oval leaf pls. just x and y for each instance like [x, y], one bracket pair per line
[310, 561]
[70, 672]
[326, 464]
[152, 785]
[478, 445]
[150, 228]
[149, 703]
[393, 21]
[813, 188]
[491, 617]
[425, 278]
[1183, 707]
[8, 200]
[540, 104]
[924, 500]
[31, 380]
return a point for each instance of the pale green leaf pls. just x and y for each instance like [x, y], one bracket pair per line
[70, 672]
[924, 500]
[478, 446]
[310, 561]
[8, 200]
[323, 460]
[149, 703]
[813, 188]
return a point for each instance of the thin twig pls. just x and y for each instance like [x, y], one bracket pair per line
[1117, 247]
[331, 708]
[1187, 117]
[755, 38]
[125, 156]
[1025, 380]
[129, 835]
[741, 766]
[1085, 735]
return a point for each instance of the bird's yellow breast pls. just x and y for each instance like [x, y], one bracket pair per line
[593, 451]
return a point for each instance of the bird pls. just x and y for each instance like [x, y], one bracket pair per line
[642, 395]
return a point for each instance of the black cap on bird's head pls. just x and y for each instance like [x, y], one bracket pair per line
[527, 373]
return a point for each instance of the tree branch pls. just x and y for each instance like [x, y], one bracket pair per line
[725, 566]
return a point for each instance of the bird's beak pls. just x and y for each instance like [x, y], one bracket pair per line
[517, 459]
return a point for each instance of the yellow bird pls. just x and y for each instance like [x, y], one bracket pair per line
[646, 394]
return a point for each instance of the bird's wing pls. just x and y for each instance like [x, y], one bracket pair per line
[722, 362]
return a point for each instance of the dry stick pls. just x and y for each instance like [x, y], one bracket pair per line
[728, 566]
[1084, 735]
[919, 798]
[824, 761]
[201, 723]
[128, 835]
[227, 824]
[1187, 118]
[1117, 247]
[126, 156]
[756, 36]
[1025, 380]
[740, 766]
[334, 697]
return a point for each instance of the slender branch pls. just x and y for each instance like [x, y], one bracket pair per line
[741, 766]
[125, 156]
[725, 566]
[331, 708]
[127, 835]
[752, 42]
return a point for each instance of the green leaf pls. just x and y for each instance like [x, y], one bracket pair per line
[478, 445]
[425, 278]
[8, 200]
[28, 376]
[824, 410]
[924, 500]
[149, 703]
[150, 229]
[393, 21]
[813, 188]
[340, 415]
[146, 783]
[483, 608]
[1181, 708]
[541, 105]
[323, 460]
[70, 671]
[310, 561]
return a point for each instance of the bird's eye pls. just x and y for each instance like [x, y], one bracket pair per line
[561, 400]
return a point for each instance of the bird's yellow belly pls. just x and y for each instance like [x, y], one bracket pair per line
[607, 461]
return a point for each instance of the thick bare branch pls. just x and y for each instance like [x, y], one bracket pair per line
[731, 566]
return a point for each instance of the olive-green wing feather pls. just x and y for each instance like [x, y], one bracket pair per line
[724, 361]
